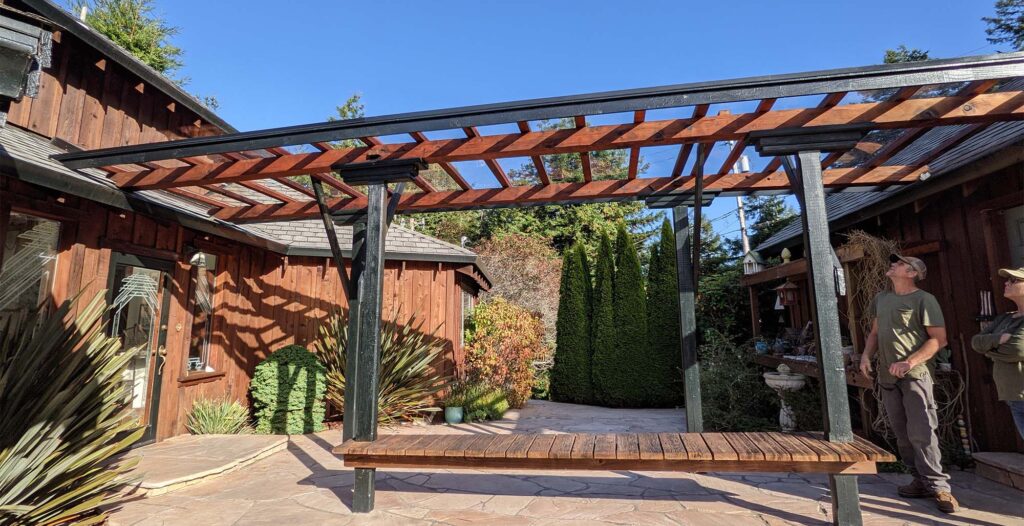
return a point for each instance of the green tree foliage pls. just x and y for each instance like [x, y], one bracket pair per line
[663, 319]
[766, 215]
[134, 25]
[288, 391]
[602, 321]
[904, 54]
[1007, 27]
[625, 373]
[734, 396]
[571, 373]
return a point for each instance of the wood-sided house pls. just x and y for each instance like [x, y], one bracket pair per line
[965, 221]
[202, 299]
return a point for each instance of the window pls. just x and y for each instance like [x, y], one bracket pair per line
[29, 262]
[204, 273]
[465, 320]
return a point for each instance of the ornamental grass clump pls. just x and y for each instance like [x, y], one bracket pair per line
[288, 392]
[65, 417]
[409, 373]
[218, 417]
[479, 401]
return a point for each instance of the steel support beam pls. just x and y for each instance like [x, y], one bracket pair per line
[825, 316]
[687, 319]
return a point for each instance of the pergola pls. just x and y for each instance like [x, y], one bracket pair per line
[818, 129]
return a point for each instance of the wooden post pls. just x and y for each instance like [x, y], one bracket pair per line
[825, 314]
[687, 319]
[364, 351]
[352, 359]
[755, 312]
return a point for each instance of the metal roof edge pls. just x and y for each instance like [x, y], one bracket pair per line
[101, 43]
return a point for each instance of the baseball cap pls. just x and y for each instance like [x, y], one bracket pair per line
[1012, 273]
[915, 263]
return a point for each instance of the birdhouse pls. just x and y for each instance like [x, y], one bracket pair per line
[787, 293]
[752, 263]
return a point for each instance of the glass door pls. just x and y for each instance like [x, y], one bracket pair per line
[138, 317]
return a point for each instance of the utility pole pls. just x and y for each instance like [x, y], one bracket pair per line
[744, 166]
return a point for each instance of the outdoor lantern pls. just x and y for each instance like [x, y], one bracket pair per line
[787, 293]
[24, 51]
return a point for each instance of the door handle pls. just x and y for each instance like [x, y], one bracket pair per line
[161, 352]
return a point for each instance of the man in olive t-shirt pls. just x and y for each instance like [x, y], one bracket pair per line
[906, 333]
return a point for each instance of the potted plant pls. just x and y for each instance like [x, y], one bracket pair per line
[454, 404]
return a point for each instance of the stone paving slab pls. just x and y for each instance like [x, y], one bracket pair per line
[306, 484]
[191, 459]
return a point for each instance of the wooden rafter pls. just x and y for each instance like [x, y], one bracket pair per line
[198, 197]
[737, 149]
[684, 151]
[448, 168]
[538, 162]
[496, 169]
[634, 152]
[603, 190]
[581, 122]
[922, 112]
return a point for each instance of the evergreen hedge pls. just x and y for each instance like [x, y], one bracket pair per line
[288, 390]
[571, 373]
[602, 324]
[663, 321]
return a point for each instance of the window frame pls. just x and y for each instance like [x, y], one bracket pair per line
[6, 211]
[212, 367]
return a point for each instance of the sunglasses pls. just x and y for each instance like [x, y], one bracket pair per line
[1014, 281]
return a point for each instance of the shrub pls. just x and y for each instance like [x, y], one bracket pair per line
[663, 321]
[541, 389]
[65, 417]
[288, 392]
[602, 324]
[500, 349]
[479, 401]
[571, 374]
[409, 378]
[733, 393]
[217, 417]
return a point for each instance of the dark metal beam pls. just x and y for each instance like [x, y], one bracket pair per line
[332, 235]
[687, 320]
[702, 151]
[962, 69]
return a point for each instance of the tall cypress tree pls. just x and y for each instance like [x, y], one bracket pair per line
[571, 375]
[663, 320]
[602, 326]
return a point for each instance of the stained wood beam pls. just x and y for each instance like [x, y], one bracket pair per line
[737, 149]
[257, 187]
[218, 205]
[296, 186]
[942, 111]
[496, 169]
[538, 162]
[233, 195]
[333, 182]
[581, 123]
[565, 193]
[634, 152]
[448, 168]
[684, 151]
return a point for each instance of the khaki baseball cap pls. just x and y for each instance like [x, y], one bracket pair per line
[1012, 273]
[916, 264]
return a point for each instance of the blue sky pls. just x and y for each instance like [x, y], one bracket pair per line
[270, 65]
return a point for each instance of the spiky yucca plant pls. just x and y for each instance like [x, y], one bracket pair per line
[218, 417]
[408, 382]
[65, 417]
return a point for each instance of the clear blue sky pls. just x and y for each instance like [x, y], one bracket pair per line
[279, 63]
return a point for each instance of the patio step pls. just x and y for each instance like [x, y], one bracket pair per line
[191, 459]
[1004, 468]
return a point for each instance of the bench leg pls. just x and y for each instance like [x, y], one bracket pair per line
[845, 500]
[363, 490]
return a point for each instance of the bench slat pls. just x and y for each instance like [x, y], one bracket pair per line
[650, 446]
[541, 446]
[720, 448]
[627, 447]
[746, 449]
[499, 446]
[584, 446]
[797, 449]
[825, 453]
[520, 447]
[771, 449]
[562, 446]
[844, 451]
[604, 446]
[438, 447]
[672, 446]
[697, 447]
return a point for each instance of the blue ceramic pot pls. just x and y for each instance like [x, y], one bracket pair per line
[453, 415]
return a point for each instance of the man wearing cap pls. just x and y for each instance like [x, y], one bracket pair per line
[1003, 342]
[906, 332]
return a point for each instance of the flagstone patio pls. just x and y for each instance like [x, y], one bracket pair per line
[306, 484]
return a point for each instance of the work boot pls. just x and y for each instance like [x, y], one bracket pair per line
[915, 490]
[946, 502]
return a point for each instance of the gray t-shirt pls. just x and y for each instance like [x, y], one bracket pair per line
[902, 323]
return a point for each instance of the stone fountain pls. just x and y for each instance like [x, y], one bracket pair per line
[785, 380]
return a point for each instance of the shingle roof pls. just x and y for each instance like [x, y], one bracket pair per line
[26, 156]
[842, 204]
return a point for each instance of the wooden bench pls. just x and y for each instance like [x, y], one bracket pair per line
[687, 452]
